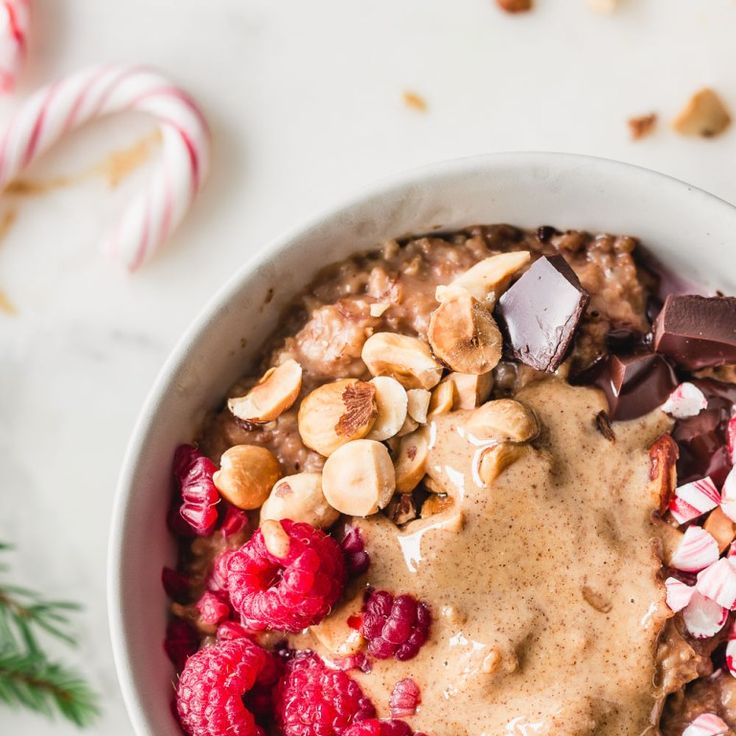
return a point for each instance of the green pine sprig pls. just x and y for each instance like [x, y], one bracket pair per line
[27, 677]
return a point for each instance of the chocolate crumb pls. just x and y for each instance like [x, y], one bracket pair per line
[603, 425]
[545, 233]
[642, 126]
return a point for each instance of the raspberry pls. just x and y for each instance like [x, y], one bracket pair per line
[356, 558]
[180, 643]
[395, 626]
[217, 578]
[230, 630]
[374, 727]
[286, 593]
[313, 700]
[176, 584]
[405, 698]
[234, 520]
[216, 686]
[193, 475]
[212, 608]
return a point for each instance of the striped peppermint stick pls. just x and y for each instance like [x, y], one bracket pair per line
[103, 90]
[15, 18]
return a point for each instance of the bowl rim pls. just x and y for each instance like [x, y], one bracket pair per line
[425, 174]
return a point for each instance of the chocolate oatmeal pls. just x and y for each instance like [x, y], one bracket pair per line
[479, 484]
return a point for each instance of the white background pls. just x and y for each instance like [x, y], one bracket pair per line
[304, 98]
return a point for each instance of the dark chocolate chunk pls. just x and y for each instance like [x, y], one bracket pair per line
[702, 447]
[541, 311]
[702, 438]
[697, 331]
[633, 384]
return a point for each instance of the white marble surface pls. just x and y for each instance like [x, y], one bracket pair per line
[305, 104]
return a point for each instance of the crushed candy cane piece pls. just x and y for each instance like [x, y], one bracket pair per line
[703, 617]
[731, 649]
[694, 499]
[707, 724]
[718, 582]
[687, 400]
[678, 594]
[728, 495]
[697, 549]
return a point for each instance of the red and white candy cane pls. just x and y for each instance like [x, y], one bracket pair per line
[98, 91]
[15, 17]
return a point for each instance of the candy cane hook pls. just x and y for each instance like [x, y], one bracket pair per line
[92, 93]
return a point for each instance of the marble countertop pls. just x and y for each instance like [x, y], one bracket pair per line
[305, 102]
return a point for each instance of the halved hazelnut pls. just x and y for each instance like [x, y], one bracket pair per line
[358, 478]
[721, 528]
[471, 390]
[704, 115]
[463, 334]
[275, 538]
[487, 279]
[496, 459]
[246, 475]
[407, 427]
[504, 420]
[392, 402]
[276, 391]
[411, 460]
[335, 633]
[299, 498]
[419, 399]
[337, 413]
[443, 398]
[407, 359]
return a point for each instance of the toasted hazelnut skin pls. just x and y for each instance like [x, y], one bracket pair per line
[274, 393]
[464, 335]
[405, 358]
[358, 479]
[299, 497]
[336, 413]
[246, 475]
[503, 420]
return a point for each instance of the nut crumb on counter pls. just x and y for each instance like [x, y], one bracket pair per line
[414, 101]
[704, 115]
[642, 126]
[515, 6]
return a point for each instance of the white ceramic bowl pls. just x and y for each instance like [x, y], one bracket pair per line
[690, 229]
